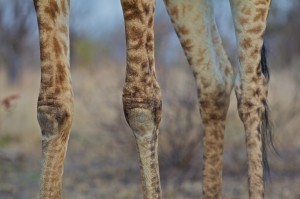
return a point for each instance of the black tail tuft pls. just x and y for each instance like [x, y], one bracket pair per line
[264, 64]
[266, 126]
[267, 139]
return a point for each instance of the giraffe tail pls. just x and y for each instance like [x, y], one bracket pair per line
[266, 126]
[264, 63]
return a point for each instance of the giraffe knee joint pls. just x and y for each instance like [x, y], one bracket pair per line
[214, 104]
[142, 114]
[142, 122]
[54, 120]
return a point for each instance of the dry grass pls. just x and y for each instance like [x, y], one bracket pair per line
[101, 160]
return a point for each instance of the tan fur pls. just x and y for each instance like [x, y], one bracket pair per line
[141, 93]
[214, 76]
[55, 102]
[251, 85]
[195, 25]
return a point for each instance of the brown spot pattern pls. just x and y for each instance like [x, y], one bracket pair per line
[243, 21]
[52, 10]
[182, 30]
[55, 98]
[255, 30]
[246, 43]
[141, 91]
[56, 47]
[246, 10]
[260, 15]
[174, 12]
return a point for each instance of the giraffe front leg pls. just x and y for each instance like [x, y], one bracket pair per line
[251, 87]
[145, 129]
[55, 102]
[195, 26]
[141, 94]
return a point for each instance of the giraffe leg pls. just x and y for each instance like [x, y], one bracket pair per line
[55, 102]
[195, 26]
[251, 86]
[141, 94]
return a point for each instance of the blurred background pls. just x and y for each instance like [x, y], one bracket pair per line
[101, 161]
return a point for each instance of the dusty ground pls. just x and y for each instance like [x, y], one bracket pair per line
[101, 160]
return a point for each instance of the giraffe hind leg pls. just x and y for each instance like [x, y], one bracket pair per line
[214, 77]
[251, 87]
